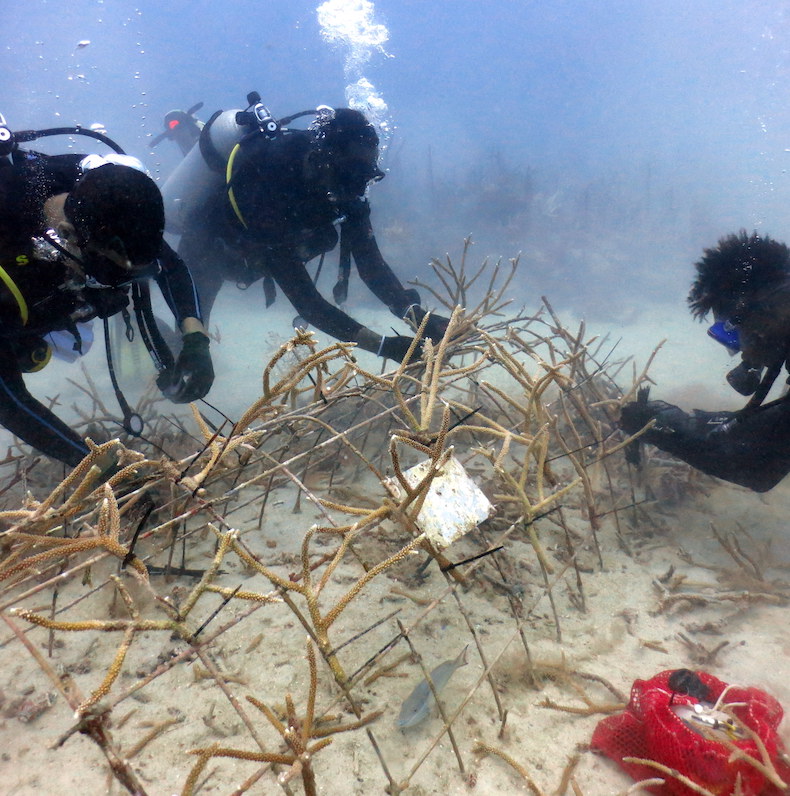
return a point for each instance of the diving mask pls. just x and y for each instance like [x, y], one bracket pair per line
[109, 265]
[726, 333]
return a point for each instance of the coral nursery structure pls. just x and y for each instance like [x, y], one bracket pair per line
[247, 613]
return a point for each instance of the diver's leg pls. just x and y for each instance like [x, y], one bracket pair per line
[32, 422]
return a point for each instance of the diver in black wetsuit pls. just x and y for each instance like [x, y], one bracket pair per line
[745, 283]
[278, 200]
[76, 233]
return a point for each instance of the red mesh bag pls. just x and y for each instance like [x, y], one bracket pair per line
[673, 719]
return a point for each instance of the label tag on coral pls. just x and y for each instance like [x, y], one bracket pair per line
[454, 504]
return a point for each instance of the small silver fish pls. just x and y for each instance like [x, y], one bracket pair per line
[81, 45]
[420, 701]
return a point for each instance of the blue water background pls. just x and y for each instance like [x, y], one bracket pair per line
[607, 141]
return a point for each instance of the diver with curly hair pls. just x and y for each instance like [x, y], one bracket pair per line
[745, 283]
[255, 199]
[77, 234]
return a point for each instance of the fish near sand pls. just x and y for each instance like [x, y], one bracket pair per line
[419, 703]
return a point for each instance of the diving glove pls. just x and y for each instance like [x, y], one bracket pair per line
[193, 374]
[434, 329]
[672, 423]
[397, 347]
[669, 418]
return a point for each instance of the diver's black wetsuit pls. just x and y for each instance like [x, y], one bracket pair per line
[750, 448]
[38, 295]
[288, 222]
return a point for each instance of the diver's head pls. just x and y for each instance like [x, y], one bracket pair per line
[745, 283]
[116, 217]
[344, 152]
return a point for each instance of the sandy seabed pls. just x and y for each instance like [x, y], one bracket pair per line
[620, 632]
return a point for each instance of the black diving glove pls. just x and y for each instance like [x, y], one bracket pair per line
[193, 374]
[748, 448]
[396, 348]
[672, 423]
[637, 414]
[434, 329]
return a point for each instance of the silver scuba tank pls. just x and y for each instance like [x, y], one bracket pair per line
[195, 179]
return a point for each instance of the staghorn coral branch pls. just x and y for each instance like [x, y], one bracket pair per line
[112, 673]
[343, 602]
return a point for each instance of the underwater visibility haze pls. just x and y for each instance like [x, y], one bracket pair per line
[603, 145]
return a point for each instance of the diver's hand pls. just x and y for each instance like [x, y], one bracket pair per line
[397, 347]
[672, 422]
[637, 414]
[193, 374]
[434, 329]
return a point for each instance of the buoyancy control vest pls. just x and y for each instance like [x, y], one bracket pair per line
[206, 167]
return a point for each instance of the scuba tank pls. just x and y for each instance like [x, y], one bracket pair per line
[207, 170]
[202, 172]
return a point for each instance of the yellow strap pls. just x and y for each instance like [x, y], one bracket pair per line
[231, 195]
[39, 360]
[20, 299]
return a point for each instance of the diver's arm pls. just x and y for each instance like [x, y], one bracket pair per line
[291, 275]
[751, 449]
[206, 259]
[31, 421]
[178, 288]
[193, 374]
[380, 278]
[373, 268]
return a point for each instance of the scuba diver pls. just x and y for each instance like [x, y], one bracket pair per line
[77, 234]
[255, 199]
[745, 283]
